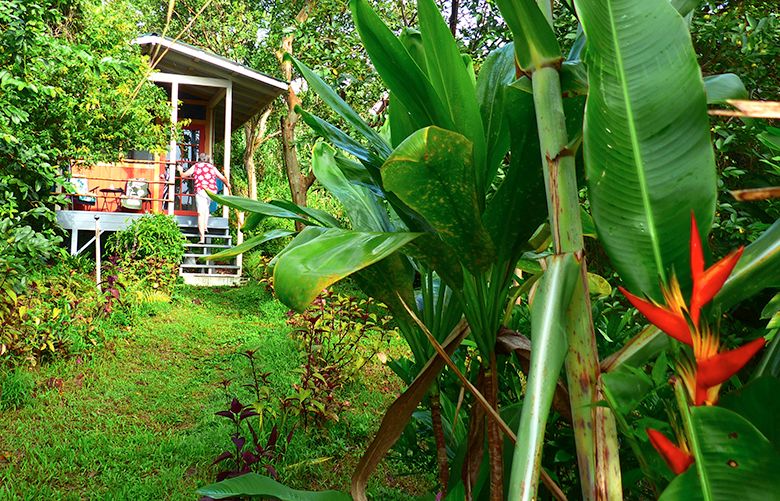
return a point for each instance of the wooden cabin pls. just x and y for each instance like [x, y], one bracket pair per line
[216, 96]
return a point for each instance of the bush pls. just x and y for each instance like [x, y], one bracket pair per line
[149, 251]
[62, 312]
[338, 335]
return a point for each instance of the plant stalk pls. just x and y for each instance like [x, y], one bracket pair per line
[594, 432]
[438, 434]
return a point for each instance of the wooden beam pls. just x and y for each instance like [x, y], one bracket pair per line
[189, 80]
[219, 96]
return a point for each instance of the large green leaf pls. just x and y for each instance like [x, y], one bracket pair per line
[302, 272]
[252, 484]
[334, 101]
[535, 42]
[266, 209]
[316, 215]
[758, 402]
[341, 140]
[757, 269]
[738, 461]
[548, 350]
[497, 72]
[452, 81]
[398, 70]
[432, 172]
[721, 88]
[249, 244]
[648, 155]
[519, 205]
[365, 212]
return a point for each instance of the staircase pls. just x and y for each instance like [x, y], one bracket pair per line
[203, 272]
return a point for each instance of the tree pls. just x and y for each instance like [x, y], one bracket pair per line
[72, 88]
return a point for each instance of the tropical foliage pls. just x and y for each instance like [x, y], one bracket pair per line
[72, 87]
[462, 192]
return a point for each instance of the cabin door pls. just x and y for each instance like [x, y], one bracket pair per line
[193, 143]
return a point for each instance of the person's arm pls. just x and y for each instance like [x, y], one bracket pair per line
[223, 179]
[186, 173]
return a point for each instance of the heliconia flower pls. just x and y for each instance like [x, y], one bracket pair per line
[677, 458]
[670, 318]
[707, 283]
[712, 368]
[718, 368]
[698, 394]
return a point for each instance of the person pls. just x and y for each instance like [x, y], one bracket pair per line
[204, 175]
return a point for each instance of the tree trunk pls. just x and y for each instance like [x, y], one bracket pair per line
[299, 183]
[438, 433]
[454, 16]
[495, 440]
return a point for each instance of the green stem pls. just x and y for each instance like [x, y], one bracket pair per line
[594, 432]
[690, 432]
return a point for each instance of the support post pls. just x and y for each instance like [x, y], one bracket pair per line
[74, 241]
[228, 122]
[172, 147]
[97, 253]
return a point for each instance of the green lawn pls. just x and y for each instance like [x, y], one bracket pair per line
[135, 418]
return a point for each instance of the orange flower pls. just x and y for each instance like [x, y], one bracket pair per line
[711, 367]
[677, 458]
[707, 283]
[670, 317]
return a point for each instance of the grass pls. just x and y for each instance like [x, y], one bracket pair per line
[135, 418]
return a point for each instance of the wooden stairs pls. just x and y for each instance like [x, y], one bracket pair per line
[204, 272]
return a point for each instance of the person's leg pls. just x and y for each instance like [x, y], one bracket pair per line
[202, 202]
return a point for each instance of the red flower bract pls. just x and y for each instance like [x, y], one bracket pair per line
[717, 369]
[669, 321]
[676, 458]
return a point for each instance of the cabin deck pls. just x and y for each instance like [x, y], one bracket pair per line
[82, 226]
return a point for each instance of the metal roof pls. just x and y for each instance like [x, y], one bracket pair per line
[252, 90]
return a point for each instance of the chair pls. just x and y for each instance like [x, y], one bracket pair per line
[136, 191]
[81, 186]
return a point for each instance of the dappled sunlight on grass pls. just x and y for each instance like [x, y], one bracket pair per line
[135, 418]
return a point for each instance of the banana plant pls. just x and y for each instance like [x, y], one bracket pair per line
[471, 168]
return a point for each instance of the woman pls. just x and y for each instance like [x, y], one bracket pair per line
[205, 176]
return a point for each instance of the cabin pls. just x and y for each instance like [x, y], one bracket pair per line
[216, 96]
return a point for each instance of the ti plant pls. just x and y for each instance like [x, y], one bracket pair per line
[475, 171]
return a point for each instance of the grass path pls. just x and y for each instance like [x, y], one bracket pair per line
[135, 418]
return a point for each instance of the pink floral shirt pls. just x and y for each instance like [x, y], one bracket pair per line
[204, 176]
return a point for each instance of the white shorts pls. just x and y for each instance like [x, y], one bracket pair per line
[203, 202]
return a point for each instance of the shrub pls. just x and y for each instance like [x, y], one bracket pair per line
[338, 335]
[149, 251]
[61, 312]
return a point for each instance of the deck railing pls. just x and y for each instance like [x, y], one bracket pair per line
[118, 187]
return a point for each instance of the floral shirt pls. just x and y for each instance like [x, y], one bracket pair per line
[205, 177]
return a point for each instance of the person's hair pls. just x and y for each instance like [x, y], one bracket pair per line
[204, 157]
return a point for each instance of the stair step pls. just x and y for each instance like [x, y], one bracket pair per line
[204, 255]
[221, 266]
[208, 246]
[208, 235]
[200, 274]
